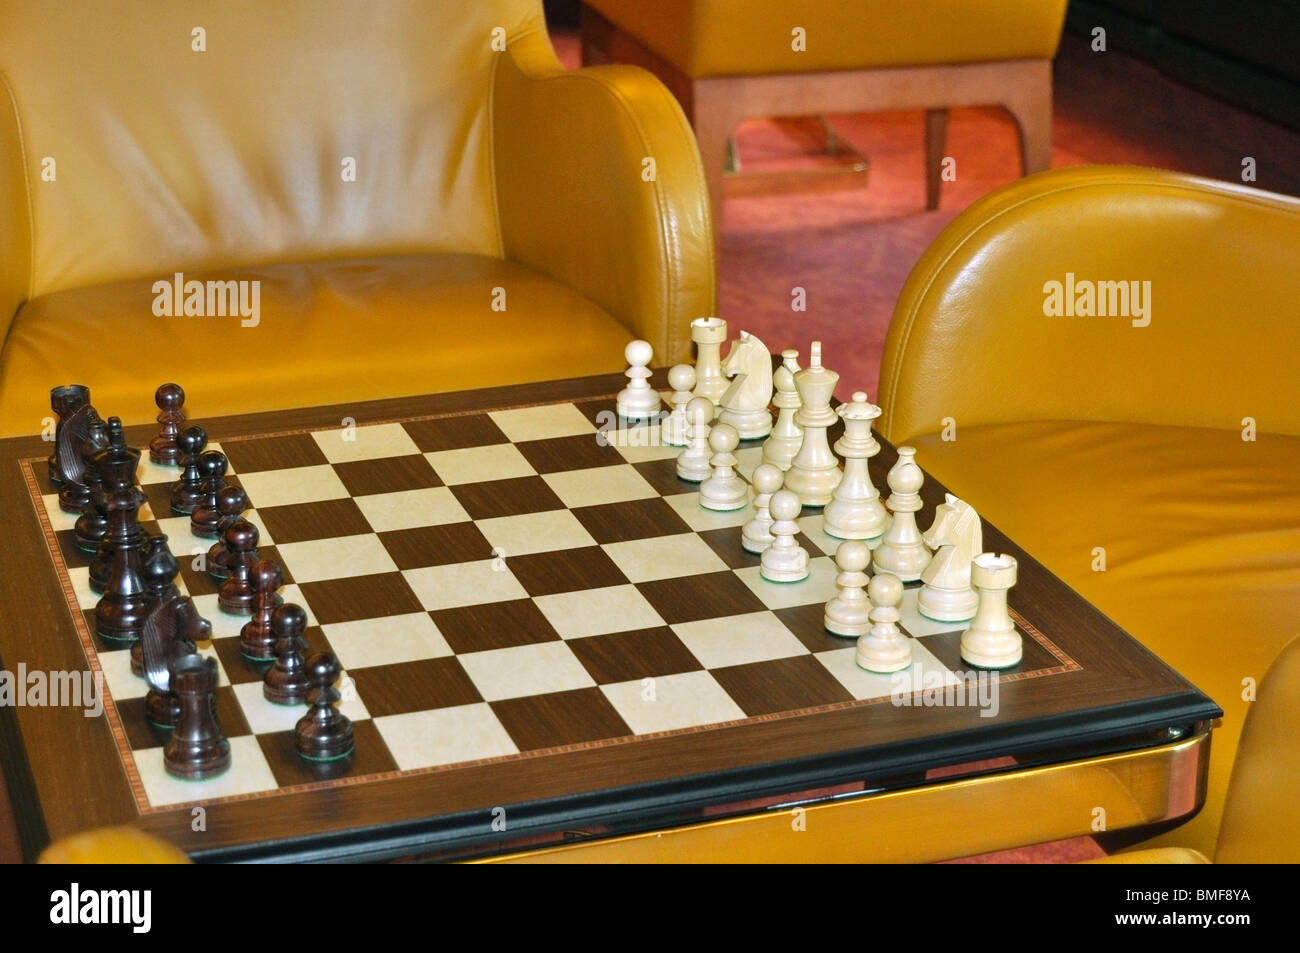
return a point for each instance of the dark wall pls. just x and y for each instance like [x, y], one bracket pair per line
[1244, 51]
[561, 13]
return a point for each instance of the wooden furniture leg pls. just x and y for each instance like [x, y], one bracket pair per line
[1030, 104]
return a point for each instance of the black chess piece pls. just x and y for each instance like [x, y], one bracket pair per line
[187, 492]
[196, 749]
[206, 516]
[160, 569]
[236, 594]
[101, 563]
[121, 611]
[158, 572]
[257, 639]
[324, 733]
[171, 630]
[154, 652]
[92, 524]
[232, 501]
[64, 401]
[286, 682]
[163, 448]
[75, 495]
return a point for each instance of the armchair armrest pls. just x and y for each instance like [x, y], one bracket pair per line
[577, 199]
[1178, 304]
[15, 213]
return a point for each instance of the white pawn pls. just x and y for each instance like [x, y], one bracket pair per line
[724, 489]
[787, 436]
[756, 535]
[693, 462]
[681, 378]
[884, 648]
[785, 560]
[847, 613]
[902, 551]
[638, 400]
[992, 640]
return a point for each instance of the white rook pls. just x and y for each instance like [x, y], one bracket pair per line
[992, 640]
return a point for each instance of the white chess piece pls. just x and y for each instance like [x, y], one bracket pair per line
[744, 404]
[884, 648]
[693, 462]
[814, 472]
[672, 433]
[902, 550]
[992, 640]
[787, 437]
[756, 535]
[785, 560]
[638, 400]
[855, 510]
[956, 537]
[708, 335]
[847, 613]
[723, 489]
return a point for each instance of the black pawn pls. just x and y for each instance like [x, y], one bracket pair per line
[257, 639]
[236, 594]
[232, 501]
[287, 682]
[196, 749]
[163, 448]
[206, 516]
[324, 733]
[187, 492]
[160, 569]
[92, 524]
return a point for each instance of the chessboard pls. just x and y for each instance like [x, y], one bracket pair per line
[497, 585]
[530, 607]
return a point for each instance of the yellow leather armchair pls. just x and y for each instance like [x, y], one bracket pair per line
[1261, 818]
[1146, 449]
[373, 199]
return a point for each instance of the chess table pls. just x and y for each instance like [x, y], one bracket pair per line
[551, 652]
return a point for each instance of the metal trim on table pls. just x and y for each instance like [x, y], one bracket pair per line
[937, 822]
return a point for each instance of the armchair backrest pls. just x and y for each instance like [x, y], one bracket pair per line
[1103, 293]
[191, 134]
[1261, 819]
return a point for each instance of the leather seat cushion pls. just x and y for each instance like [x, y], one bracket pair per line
[329, 332]
[1201, 531]
[730, 38]
[1154, 855]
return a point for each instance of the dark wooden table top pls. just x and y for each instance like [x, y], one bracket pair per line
[65, 773]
